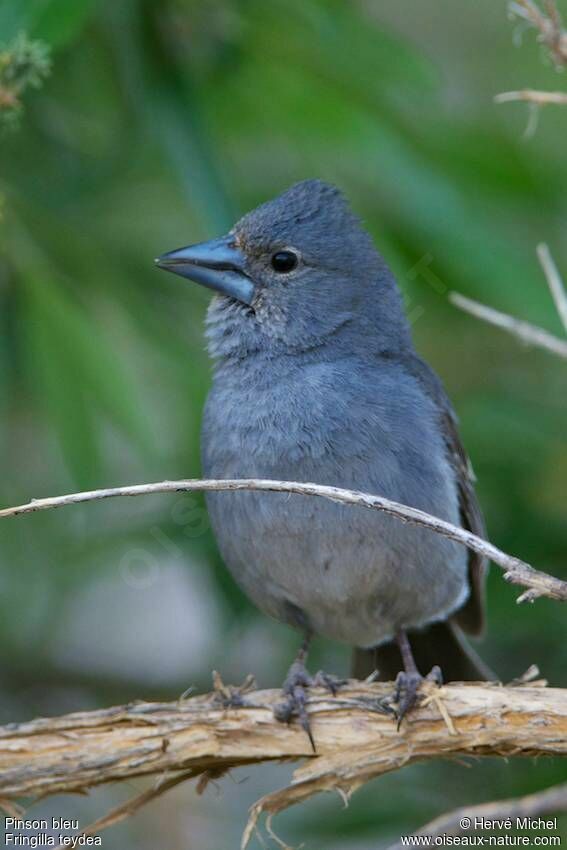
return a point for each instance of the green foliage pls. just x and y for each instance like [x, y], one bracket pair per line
[55, 21]
[23, 64]
[59, 21]
[77, 374]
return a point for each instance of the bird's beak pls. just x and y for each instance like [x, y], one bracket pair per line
[218, 264]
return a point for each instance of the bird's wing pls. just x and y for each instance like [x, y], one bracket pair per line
[471, 616]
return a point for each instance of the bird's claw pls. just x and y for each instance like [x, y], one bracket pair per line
[297, 683]
[295, 705]
[406, 694]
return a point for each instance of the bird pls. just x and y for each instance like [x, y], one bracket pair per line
[316, 379]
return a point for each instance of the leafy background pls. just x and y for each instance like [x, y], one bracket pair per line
[159, 124]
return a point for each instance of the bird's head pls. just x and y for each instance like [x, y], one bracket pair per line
[290, 274]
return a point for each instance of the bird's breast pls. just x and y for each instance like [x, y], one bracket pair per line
[260, 426]
[343, 425]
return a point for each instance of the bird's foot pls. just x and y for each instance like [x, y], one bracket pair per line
[231, 696]
[295, 687]
[408, 684]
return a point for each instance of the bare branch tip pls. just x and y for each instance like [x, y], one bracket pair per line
[529, 596]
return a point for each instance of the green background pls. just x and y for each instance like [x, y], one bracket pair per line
[159, 125]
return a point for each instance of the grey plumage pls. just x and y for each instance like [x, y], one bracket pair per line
[317, 380]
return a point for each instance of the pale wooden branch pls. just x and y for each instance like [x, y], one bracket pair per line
[554, 281]
[548, 802]
[525, 331]
[516, 571]
[548, 24]
[539, 98]
[199, 736]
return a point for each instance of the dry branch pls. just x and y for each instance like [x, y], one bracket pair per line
[543, 803]
[516, 571]
[551, 34]
[539, 98]
[525, 331]
[200, 737]
[130, 807]
[548, 24]
[554, 281]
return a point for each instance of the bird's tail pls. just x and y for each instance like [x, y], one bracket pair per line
[439, 643]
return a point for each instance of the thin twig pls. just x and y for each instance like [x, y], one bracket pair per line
[539, 98]
[528, 333]
[529, 11]
[552, 35]
[131, 806]
[464, 819]
[554, 281]
[549, 26]
[516, 571]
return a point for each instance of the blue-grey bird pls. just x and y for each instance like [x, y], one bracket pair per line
[316, 379]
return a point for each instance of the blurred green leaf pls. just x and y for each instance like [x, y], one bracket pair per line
[80, 376]
[61, 21]
[56, 21]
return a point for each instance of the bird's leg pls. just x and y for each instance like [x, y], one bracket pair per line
[295, 686]
[409, 680]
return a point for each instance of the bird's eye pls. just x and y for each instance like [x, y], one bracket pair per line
[284, 261]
